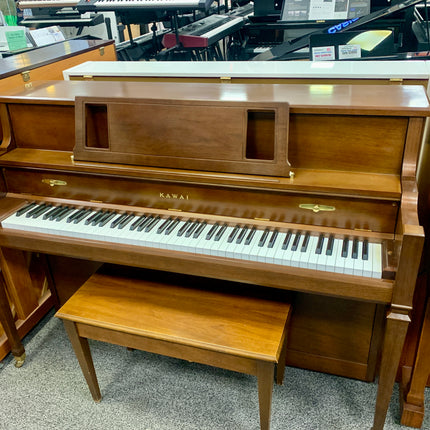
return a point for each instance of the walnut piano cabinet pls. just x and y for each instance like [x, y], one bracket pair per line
[335, 161]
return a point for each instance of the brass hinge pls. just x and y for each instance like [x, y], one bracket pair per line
[317, 208]
[54, 182]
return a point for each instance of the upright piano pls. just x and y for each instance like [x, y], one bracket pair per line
[309, 188]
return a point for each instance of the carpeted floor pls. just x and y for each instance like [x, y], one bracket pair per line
[143, 391]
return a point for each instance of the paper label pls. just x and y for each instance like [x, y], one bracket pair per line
[349, 51]
[323, 53]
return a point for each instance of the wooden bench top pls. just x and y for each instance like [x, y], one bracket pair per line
[239, 319]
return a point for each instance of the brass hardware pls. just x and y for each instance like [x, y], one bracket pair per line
[292, 175]
[317, 208]
[19, 361]
[102, 50]
[28, 85]
[72, 158]
[25, 75]
[225, 78]
[174, 209]
[262, 219]
[87, 77]
[53, 182]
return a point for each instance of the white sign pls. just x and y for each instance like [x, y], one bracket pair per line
[323, 53]
[346, 52]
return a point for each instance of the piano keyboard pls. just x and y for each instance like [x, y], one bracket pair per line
[244, 242]
[31, 4]
[114, 5]
[204, 32]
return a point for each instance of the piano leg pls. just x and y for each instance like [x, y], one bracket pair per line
[6, 320]
[395, 333]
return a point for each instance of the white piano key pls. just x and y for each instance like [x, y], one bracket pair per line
[305, 256]
[376, 260]
[321, 259]
[349, 261]
[332, 259]
[358, 262]
[367, 264]
[295, 255]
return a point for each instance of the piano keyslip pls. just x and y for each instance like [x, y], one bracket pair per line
[298, 249]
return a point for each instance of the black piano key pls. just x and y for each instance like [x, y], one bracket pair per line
[184, 228]
[273, 239]
[125, 221]
[198, 232]
[164, 225]
[345, 245]
[286, 240]
[40, 211]
[94, 217]
[233, 234]
[117, 220]
[172, 226]
[26, 208]
[107, 217]
[64, 213]
[53, 213]
[320, 244]
[82, 216]
[191, 228]
[355, 249]
[330, 246]
[75, 215]
[152, 224]
[220, 232]
[144, 223]
[136, 223]
[263, 237]
[241, 235]
[250, 236]
[305, 243]
[365, 253]
[34, 210]
[296, 241]
[212, 231]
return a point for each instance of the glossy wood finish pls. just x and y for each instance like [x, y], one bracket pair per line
[379, 204]
[48, 62]
[225, 325]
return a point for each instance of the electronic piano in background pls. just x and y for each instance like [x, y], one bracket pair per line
[301, 173]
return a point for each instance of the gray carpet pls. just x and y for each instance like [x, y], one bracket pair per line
[147, 392]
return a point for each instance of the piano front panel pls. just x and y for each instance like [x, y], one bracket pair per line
[57, 132]
[350, 143]
[309, 209]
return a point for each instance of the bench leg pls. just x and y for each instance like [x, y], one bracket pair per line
[280, 368]
[265, 374]
[83, 354]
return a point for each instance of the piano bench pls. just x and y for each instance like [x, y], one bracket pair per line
[222, 324]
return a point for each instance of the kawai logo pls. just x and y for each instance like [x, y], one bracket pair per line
[173, 196]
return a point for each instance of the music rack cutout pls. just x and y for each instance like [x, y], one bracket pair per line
[224, 136]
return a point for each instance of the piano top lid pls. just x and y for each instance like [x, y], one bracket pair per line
[396, 100]
[42, 56]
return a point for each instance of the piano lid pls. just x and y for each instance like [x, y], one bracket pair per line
[369, 99]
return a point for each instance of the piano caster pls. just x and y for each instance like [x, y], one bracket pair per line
[19, 361]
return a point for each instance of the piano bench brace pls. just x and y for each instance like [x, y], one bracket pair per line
[203, 331]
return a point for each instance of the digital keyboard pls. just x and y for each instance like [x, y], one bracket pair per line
[205, 32]
[32, 4]
[293, 248]
[118, 5]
